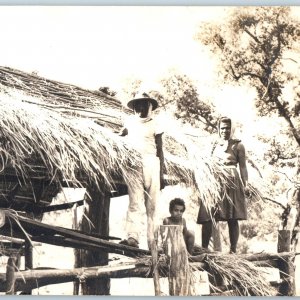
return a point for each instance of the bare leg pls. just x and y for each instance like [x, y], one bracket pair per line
[206, 233]
[234, 232]
[190, 241]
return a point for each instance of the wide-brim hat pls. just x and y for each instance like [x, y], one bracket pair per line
[140, 97]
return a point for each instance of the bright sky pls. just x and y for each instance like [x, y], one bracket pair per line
[94, 46]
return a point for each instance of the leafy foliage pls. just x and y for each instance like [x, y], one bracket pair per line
[178, 89]
[254, 46]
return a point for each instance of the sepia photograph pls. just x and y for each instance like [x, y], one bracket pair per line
[150, 150]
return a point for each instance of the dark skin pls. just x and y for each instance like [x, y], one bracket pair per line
[160, 155]
[177, 219]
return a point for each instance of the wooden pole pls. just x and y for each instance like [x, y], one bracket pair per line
[76, 251]
[95, 220]
[155, 271]
[286, 266]
[177, 257]
[297, 264]
[216, 236]
[10, 274]
[32, 279]
[28, 262]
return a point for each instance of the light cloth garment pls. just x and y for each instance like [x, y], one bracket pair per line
[145, 192]
[141, 135]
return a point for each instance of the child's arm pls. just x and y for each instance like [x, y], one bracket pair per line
[184, 231]
[160, 155]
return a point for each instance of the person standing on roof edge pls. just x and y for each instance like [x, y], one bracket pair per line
[232, 208]
[145, 135]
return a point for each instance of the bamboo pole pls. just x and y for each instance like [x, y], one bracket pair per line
[177, 256]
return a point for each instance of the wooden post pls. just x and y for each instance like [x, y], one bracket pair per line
[155, 271]
[10, 274]
[28, 255]
[286, 266]
[95, 220]
[76, 251]
[297, 264]
[177, 256]
[216, 237]
[28, 262]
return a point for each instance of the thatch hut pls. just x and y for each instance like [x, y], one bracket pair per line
[55, 135]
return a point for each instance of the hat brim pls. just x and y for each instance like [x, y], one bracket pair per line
[154, 103]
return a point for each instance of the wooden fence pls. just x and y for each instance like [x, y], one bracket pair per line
[173, 263]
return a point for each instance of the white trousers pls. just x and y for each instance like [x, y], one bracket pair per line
[145, 191]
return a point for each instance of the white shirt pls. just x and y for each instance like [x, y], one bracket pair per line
[141, 134]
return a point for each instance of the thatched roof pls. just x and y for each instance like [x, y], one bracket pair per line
[53, 134]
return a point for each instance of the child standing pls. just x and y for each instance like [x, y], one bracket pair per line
[145, 136]
[176, 209]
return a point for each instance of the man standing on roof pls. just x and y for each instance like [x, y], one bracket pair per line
[145, 135]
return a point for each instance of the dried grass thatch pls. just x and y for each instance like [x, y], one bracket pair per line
[67, 134]
[240, 275]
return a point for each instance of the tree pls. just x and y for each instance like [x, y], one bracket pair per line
[257, 46]
[253, 47]
[179, 91]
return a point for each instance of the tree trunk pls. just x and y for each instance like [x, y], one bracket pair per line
[286, 266]
[95, 220]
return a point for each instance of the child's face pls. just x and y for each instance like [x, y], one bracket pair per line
[177, 212]
[141, 108]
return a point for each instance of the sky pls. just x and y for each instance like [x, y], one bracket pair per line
[94, 46]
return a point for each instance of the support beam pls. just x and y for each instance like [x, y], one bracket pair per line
[95, 220]
[10, 274]
[28, 262]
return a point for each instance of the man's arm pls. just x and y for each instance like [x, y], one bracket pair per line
[160, 155]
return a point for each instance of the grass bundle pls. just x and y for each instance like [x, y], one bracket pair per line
[240, 275]
[52, 129]
[63, 144]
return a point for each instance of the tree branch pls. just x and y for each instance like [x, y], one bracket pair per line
[252, 36]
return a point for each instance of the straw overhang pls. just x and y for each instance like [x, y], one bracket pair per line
[57, 134]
